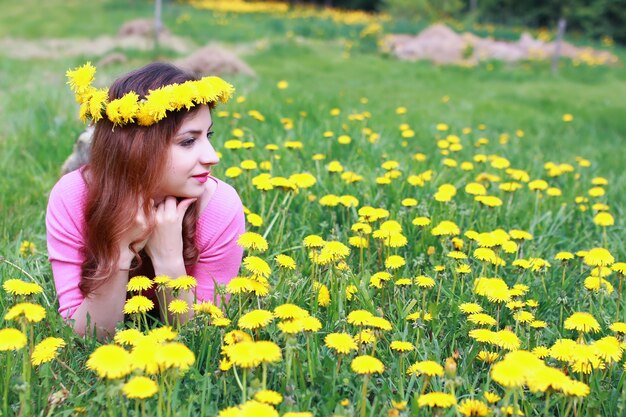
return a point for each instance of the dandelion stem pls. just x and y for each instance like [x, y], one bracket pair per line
[364, 395]
[402, 376]
[264, 376]
[619, 295]
[308, 354]
[7, 382]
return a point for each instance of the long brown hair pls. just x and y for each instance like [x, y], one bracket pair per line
[126, 167]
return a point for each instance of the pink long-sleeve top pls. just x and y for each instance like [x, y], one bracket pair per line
[219, 225]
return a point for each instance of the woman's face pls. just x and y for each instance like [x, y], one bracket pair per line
[191, 156]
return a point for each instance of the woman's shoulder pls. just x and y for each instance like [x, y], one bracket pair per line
[225, 197]
[223, 212]
[69, 189]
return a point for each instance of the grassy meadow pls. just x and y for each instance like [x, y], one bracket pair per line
[455, 235]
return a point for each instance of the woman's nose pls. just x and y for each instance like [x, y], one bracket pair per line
[208, 155]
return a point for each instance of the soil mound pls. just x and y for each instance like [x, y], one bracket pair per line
[441, 45]
[213, 59]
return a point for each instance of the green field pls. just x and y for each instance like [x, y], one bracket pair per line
[518, 108]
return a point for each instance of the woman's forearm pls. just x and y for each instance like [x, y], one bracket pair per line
[105, 305]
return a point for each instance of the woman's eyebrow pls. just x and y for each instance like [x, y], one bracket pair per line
[193, 131]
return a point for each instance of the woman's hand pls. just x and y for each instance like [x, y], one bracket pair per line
[165, 245]
[134, 234]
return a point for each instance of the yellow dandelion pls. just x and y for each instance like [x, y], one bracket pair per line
[285, 262]
[401, 346]
[582, 322]
[11, 339]
[268, 397]
[257, 266]
[110, 362]
[340, 342]
[290, 311]
[255, 319]
[367, 365]
[174, 355]
[16, 286]
[178, 306]
[428, 368]
[436, 400]
[138, 304]
[46, 350]
[140, 387]
[32, 313]
[139, 283]
[474, 408]
[252, 241]
[184, 282]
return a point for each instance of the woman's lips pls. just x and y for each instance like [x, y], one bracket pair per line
[201, 178]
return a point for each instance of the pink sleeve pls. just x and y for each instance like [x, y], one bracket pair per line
[219, 227]
[65, 236]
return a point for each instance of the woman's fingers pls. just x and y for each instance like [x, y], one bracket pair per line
[184, 205]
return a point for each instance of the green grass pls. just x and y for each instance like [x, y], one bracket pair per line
[40, 124]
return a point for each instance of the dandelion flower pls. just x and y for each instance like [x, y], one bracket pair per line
[618, 327]
[255, 319]
[268, 352]
[286, 262]
[184, 282]
[33, 313]
[139, 283]
[506, 339]
[162, 334]
[446, 228]
[487, 357]
[470, 308]
[110, 362]
[401, 346]
[46, 350]
[138, 304]
[268, 397]
[16, 286]
[257, 266]
[509, 374]
[11, 339]
[423, 281]
[394, 262]
[483, 335]
[482, 319]
[359, 317]
[599, 257]
[252, 241]
[207, 307]
[429, 368]
[609, 349]
[323, 295]
[174, 355]
[575, 388]
[436, 400]
[340, 342]
[367, 365]
[128, 337]
[582, 322]
[140, 387]
[474, 408]
[178, 306]
[290, 311]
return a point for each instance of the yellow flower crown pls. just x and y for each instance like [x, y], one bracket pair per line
[94, 102]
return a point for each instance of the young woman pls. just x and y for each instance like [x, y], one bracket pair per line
[146, 203]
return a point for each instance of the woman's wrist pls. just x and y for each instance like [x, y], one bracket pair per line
[170, 267]
[126, 258]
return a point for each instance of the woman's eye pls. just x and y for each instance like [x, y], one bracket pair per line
[209, 135]
[188, 142]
